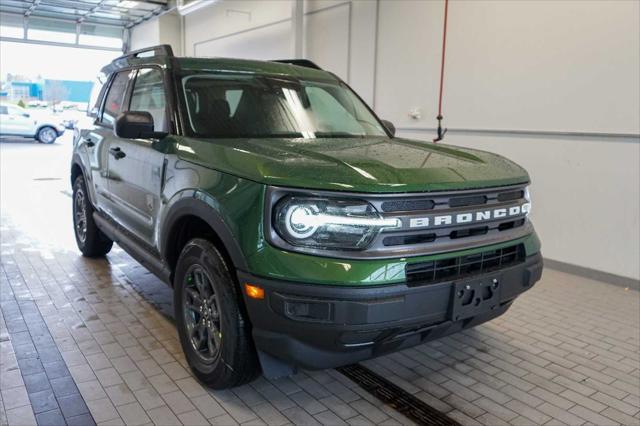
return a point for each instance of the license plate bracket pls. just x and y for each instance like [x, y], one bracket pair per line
[472, 297]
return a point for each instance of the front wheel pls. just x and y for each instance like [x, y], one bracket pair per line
[47, 135]
[214, 331]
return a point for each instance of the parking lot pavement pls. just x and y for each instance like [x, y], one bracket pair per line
[93, 340]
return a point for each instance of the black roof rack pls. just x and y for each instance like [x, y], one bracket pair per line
[299, 62]
[159, 50]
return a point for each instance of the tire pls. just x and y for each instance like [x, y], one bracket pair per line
[218, 344]
[91, 241]
[47, 135]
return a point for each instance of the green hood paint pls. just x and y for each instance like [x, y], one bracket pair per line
[373, 164]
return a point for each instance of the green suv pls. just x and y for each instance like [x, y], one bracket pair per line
[295, 229]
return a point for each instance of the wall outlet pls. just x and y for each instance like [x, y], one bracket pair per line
[415, 113]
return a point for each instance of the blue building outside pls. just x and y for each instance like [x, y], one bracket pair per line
[25, 90]
[74, 91]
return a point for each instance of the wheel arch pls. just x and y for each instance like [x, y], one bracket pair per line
[78, 169]
[42, 126]
[190, 218]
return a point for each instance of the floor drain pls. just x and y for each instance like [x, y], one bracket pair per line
[396, 397]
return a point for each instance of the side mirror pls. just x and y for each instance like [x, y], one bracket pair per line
[390, 127]
[136, 125]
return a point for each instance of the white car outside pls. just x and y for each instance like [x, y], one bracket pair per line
[17, 121]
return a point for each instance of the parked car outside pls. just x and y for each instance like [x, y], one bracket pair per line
[17, 121]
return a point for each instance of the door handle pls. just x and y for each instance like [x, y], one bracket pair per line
[117, 153]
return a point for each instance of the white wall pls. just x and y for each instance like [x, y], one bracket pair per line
[563, 66]
[527, 65]
[146, 34]
[247, 29]
[547, 68]
[165, 29]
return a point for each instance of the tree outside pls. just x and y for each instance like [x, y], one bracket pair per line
[55, 92]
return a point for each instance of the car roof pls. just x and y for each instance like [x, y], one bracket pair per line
[163, 56]
[248, 66]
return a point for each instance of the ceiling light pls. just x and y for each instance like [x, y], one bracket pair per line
[186, 7]
[128, 4]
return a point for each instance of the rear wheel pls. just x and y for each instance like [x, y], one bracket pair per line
[91, 241]
[214, 331]
[47, 135]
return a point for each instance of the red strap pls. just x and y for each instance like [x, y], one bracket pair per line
[444, 49]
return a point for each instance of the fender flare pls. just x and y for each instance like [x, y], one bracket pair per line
[76, 160]
[201, 205]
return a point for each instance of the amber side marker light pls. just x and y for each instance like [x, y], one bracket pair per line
[253, 291]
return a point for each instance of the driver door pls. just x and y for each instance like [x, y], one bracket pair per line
[136, 166]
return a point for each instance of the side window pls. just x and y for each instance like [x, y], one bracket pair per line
[97, 94]
[149, 95]
[115, 98]
[3, 110]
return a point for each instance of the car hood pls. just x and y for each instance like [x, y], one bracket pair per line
[373, 164]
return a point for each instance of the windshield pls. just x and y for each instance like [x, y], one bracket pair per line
[247, 106]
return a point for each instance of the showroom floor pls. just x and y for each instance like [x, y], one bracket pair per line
[93, 340]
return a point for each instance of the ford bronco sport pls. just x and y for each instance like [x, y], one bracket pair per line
[295, 229]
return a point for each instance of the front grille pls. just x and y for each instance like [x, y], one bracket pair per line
[421, 233]
[468, 201]
[463, 266]
[407, 205]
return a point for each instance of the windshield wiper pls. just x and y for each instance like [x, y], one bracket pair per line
[337, 135]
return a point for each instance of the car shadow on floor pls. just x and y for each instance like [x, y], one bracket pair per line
[16, 140]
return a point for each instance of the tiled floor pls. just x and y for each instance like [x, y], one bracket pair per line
[93, 340]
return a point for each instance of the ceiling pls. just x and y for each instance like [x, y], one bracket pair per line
[124, 13]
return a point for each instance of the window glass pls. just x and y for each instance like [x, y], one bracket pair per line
[115, 97]
[239, 106]
[233, 97]
[97, 94]
[148, 95]
[54, 36]
[332, 115]
[3, 110]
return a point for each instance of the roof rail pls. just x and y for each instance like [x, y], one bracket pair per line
[159, 50]
[299, 62]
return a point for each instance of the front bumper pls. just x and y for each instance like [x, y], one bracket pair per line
[322, 326]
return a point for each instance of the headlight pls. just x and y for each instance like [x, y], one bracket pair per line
[526, 208]
[328, 223]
